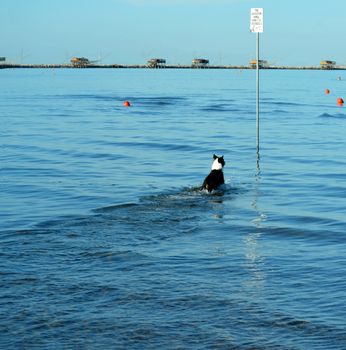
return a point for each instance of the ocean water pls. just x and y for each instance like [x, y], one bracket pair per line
[108, 243]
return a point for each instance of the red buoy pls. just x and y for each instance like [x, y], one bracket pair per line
[327, 91]
[340, 101]
[126, 104]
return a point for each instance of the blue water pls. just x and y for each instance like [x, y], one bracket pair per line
[107, 242]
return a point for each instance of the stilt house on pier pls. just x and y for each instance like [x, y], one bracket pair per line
[200, 63]
[156, 63]
[327, 64]
[261, 64]
[80, 61]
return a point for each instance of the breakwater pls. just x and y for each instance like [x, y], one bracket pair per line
[144, 66]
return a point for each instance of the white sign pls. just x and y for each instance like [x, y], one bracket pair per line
[256, 21]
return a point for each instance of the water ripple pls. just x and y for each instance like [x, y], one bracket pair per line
[107, 241]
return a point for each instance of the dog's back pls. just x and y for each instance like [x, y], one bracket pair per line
[215, 177]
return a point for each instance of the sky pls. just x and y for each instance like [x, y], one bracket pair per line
[296, 32]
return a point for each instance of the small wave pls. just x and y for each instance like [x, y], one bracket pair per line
[279, 111]
[81, 97]
[158, 100]
[143, 100]
[125, 255]
[41, 229]
[300, 231]
[288, 104]
[159, 146]
[27, 280]
[219, 107]
[114, 207]
[335, 116]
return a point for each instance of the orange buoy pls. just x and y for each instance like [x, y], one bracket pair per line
[126, 104]
[340, 101]
[327, 91]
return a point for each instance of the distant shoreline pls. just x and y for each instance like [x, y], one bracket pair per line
[138, 66]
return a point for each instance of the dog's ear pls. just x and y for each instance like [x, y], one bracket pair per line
[214, 156]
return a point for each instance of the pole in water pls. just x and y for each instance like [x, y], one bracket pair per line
[257, 97]
[256, 26]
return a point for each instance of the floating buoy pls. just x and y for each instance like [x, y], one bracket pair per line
[126, 104]
[327, 91]
[340, 101]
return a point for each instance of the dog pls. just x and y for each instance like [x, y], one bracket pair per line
[215, 177]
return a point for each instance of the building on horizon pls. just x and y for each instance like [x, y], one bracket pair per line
[156, 63]
[325, 64]
[261, 63]
[200, 62]
[79, 61]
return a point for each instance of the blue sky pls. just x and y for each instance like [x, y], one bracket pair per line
[296, 32]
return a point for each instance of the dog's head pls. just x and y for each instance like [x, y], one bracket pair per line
[218, 163]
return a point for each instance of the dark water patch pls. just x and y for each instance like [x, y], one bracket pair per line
[150, 101]
[339, 116]
[286, 104]
[17, 282]
[317, 231]
[114, 207]
[158, 145]
[39, 230]
[157, 101]
[82, 97]
[312, 332]
[125, 255]
[59, 223]
[39, 153]
[118, 260]
[42, 171]
[336, 176]
[279, 111]
[219, 107]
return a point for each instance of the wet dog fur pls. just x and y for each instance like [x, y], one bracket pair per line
[215, 177]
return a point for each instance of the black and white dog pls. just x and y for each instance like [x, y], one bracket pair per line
[215, 177]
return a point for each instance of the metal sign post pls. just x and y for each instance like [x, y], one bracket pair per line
[256, 26]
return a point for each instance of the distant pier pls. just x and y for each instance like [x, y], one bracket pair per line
[176, 66]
